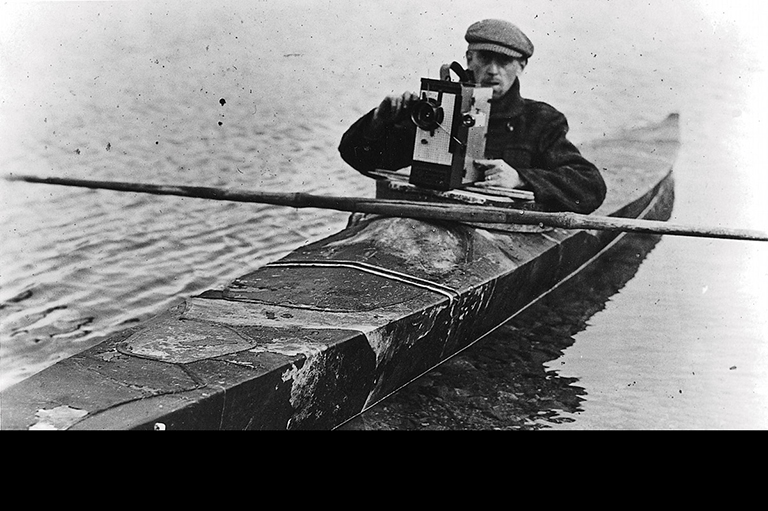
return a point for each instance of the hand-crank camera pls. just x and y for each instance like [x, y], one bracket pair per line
[451, 121]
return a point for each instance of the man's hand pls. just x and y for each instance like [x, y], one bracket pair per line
[498, 173]
[392, 109]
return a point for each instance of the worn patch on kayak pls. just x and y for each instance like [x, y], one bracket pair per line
[61, 417]
[421, 248]
[182, 342]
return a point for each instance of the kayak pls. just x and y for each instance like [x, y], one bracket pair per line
[312, 340]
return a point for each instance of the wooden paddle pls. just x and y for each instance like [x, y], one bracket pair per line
[423, 210]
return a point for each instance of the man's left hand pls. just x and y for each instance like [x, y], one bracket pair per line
[498, 173]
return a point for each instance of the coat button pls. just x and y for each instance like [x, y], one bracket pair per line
[510, 127]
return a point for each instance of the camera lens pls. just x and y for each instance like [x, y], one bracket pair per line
[427, 114]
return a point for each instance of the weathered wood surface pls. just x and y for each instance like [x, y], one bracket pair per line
[313, 339]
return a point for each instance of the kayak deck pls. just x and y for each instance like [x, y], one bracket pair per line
[314, 339]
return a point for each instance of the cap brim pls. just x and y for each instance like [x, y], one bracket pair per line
[496, 48]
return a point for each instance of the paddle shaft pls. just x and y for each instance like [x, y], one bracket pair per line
[423, 210]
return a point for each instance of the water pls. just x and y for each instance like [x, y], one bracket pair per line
[256, 95]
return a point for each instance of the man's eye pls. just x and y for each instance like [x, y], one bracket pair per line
[501, 60]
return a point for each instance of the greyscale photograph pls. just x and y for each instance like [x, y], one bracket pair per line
[443, 215]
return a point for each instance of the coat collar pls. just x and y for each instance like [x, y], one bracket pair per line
[509, 105]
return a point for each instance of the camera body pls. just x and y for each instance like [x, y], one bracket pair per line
[451, 125]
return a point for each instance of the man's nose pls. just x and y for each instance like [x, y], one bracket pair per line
[492, 68]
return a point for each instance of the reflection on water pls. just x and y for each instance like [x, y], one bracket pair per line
[503, 382]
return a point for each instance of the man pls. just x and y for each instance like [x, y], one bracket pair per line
[526, 144]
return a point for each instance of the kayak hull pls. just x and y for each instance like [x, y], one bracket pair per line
[314, 339]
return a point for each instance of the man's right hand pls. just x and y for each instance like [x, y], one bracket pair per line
[392, 109]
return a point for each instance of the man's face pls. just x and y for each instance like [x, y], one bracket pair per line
[494, 70]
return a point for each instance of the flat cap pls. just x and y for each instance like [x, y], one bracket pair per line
[499, 36]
